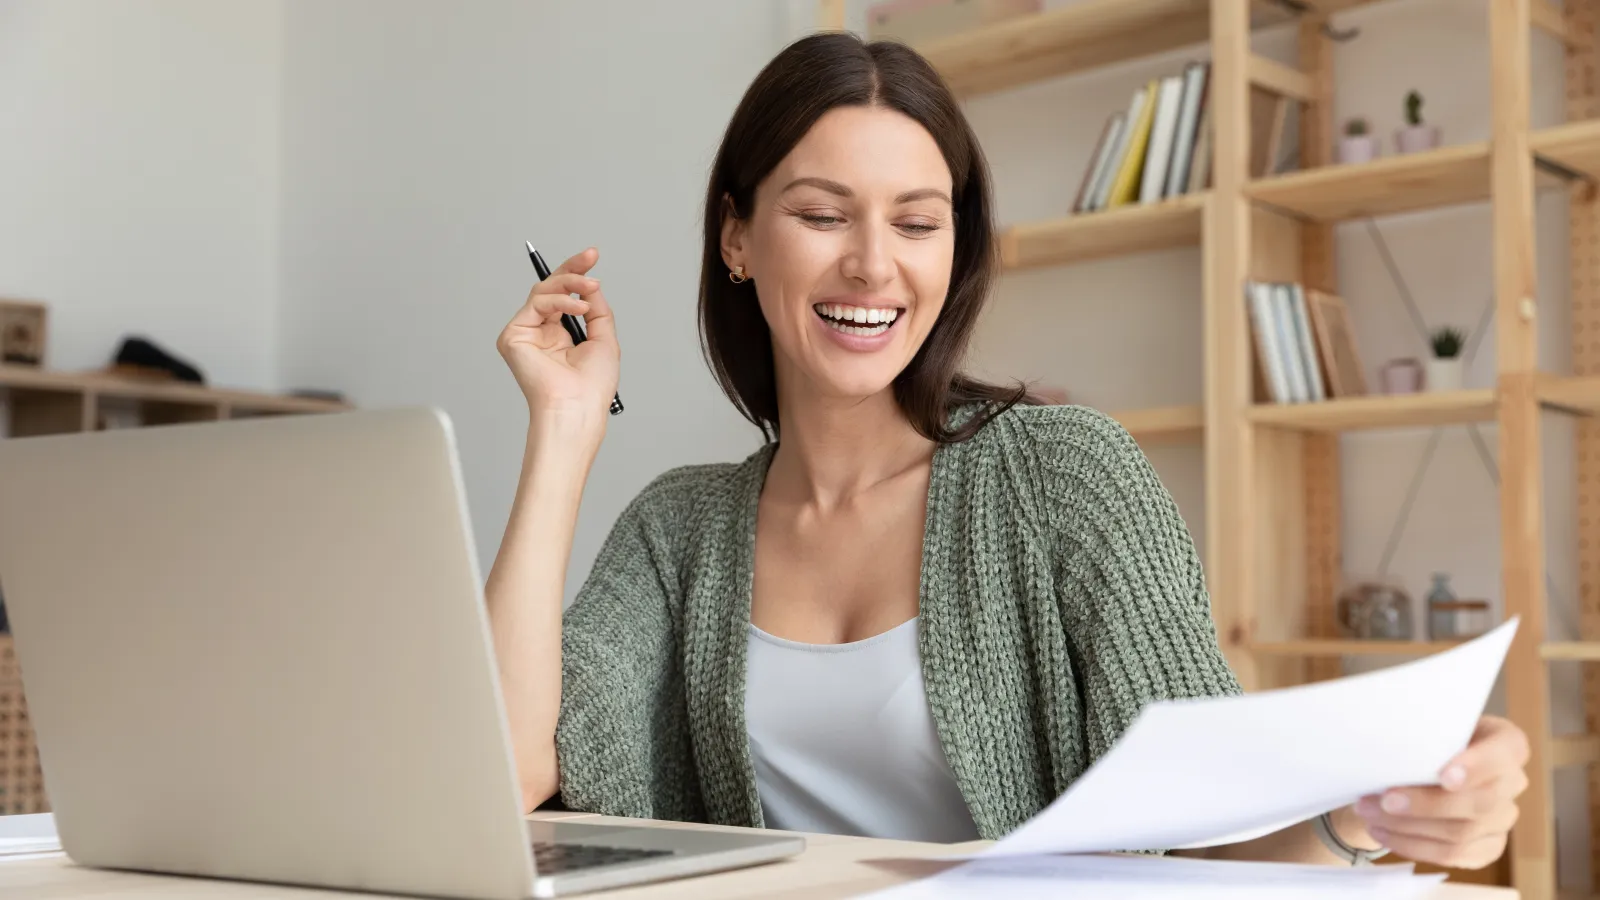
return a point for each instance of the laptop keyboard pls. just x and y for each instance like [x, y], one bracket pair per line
[552, 858]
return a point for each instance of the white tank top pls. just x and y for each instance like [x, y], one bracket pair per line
[843, 742]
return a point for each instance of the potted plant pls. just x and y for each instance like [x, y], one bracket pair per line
[1416, 135]
[1357, 146]
[1444, 367]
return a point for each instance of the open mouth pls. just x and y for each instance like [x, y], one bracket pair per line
[858, 320]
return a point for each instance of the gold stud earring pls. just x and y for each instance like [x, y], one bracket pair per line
[737, 276]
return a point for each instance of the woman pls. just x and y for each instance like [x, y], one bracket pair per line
[928, 604]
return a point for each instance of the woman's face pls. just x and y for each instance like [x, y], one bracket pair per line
[849, 246]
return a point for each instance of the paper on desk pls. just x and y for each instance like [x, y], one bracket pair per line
[28, 837]
[1196, 773]
[1120, 877]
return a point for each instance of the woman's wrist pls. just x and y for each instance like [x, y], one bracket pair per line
[1352, 829]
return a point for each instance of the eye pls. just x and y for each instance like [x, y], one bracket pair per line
[920, 228]
[820, 219]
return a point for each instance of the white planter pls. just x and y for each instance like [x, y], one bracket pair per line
[1444, 374]
[1416, 138]
[1358, 149]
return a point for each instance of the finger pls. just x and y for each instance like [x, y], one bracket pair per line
[601, 324]
[542, 308]
[1496, 821]
[579, 263]
[566, 283]
[1497, 748]
[1473, 855]
[1439, 803]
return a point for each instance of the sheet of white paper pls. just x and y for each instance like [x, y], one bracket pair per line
[1119, 877]
[28, 837]
[1197, 773]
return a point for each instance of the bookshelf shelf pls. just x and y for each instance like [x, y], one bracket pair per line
[1168, 424]
[1337, 647]
[1175, 222]
[169, 394]
[1070, 39]
[1575, 145]
[1576, 394]
[1571, 651]
[1395, 184]
[1378, 411]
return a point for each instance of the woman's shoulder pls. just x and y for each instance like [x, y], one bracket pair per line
[1081, 437]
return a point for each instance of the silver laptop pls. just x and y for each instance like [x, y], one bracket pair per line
[259, 650]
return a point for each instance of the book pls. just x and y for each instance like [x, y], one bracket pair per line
[1307, 343]
[1163, 134]
[1196, 79]
[1258, 296]
[1200, 169]
[1102, 195]
[1289, 345]
[1099, 161]
[1126, 186]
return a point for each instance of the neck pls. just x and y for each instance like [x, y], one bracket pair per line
[831, 449]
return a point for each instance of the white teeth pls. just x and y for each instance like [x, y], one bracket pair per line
[862, 331]
[860, 315]
[872, 316]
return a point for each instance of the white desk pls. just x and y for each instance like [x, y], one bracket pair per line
[831, 867]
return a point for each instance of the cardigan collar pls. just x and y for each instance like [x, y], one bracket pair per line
[715, 673]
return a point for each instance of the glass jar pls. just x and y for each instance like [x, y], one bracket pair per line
[1388, 614]
[1443, 611]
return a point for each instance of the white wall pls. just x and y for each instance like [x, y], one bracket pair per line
[424, 142]
[139, 177]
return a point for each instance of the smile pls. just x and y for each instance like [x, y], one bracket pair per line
[859, 321]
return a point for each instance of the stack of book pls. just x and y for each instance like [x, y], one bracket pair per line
[1305, 351]
[1158, 147]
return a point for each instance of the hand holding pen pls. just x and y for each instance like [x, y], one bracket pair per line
[561, 365]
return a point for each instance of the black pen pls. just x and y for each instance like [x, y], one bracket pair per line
[573, 326]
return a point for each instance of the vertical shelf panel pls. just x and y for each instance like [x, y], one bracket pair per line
[1521, 486]
[1583, 212]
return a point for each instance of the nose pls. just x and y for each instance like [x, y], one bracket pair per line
[869, 258]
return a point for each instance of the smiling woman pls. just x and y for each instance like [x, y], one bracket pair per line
[848, 189]
[928, 603]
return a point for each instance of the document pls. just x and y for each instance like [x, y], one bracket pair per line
[1197, 773]
[28, 837]
[1129, 877]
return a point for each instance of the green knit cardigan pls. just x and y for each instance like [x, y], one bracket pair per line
[1060, 592]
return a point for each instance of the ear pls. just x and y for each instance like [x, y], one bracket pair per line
[733, 235]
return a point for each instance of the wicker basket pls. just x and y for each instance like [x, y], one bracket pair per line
[21, 782]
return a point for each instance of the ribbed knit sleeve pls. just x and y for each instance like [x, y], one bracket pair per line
[1133, 593]
[622, 739]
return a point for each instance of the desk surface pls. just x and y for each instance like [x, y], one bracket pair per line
[831, 867]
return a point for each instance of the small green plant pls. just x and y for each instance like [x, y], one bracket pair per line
[1447, 342]
[1413, 109]
[1355, 127]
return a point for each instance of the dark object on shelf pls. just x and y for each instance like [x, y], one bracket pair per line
[144, 357]
[318, 394]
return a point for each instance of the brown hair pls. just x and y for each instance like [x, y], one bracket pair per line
[807, 79]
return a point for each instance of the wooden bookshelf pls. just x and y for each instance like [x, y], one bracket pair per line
[1575, 145]
[1170, 424]
[1175, 222]
[1393, 184]
[1073, 38]
[1336, 647]
[1272, 472]
[1379, 411]
[99, 384]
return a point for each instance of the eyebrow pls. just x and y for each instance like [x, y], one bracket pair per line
[834, 187]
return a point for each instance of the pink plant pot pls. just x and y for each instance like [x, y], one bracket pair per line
[1416, 138]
